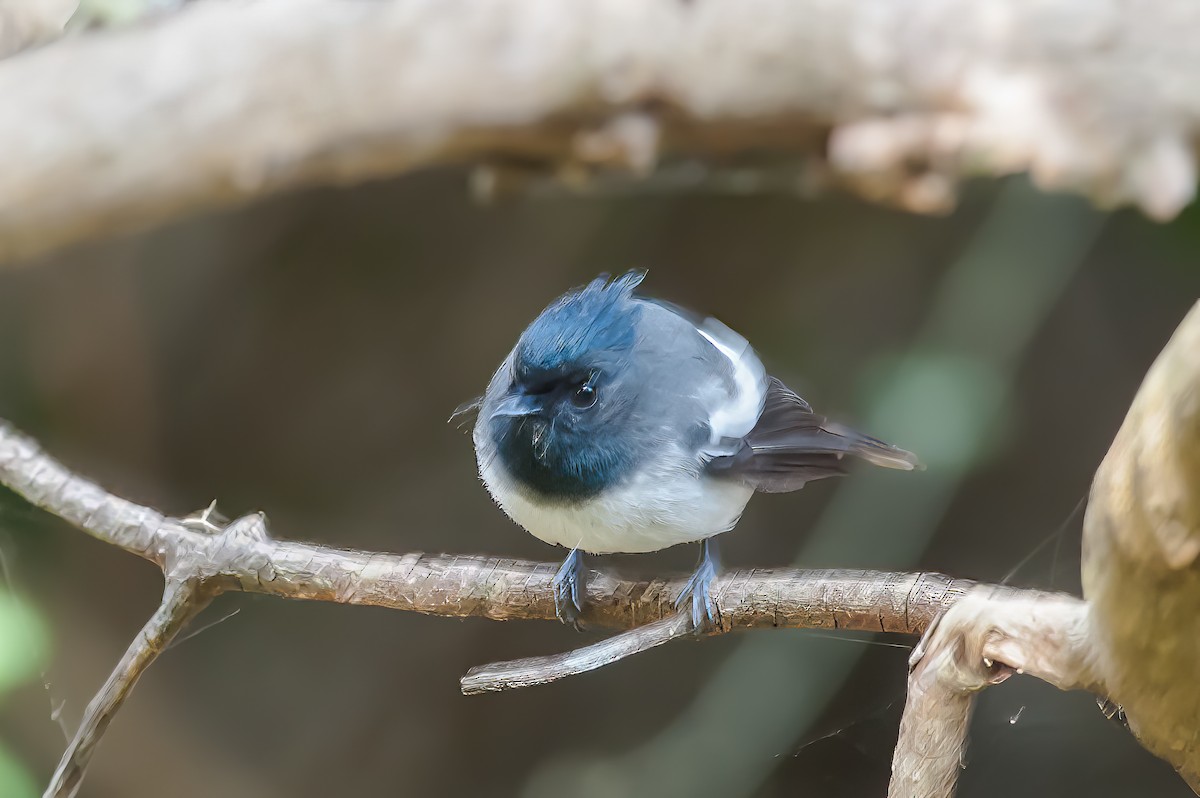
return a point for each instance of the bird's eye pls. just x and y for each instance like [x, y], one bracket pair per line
[584, 397]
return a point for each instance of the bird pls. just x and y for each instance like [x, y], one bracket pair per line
[623, 423]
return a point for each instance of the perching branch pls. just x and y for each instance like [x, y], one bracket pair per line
[242, 556]
[204, 555]
[896, 101]
[1134, 631]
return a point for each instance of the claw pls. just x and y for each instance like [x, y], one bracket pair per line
[704, 611]
[570, 587]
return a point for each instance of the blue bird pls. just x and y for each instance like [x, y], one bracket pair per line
[620, 423]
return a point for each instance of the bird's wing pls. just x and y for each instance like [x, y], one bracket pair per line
[790, 445]
[727, 379]
[737, 406]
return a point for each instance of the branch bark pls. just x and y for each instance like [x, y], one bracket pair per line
[121, 130]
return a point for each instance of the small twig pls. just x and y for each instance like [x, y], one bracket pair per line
[543, 670]
[181, 601]
[181, 640]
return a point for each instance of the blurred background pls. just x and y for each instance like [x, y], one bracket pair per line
[301, 357]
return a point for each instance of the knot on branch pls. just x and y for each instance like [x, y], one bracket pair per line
[992, 633]
[959, 650]
[221, 554]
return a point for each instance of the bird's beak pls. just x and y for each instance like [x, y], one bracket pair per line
[517, 405]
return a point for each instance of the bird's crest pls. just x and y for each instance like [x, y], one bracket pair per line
[597, 317]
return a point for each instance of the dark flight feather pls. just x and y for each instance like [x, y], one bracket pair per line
[790, 446]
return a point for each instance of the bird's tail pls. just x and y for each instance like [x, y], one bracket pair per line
[872, 450]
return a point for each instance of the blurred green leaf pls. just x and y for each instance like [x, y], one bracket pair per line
[24, 644]
[24, 649]
[15, 781]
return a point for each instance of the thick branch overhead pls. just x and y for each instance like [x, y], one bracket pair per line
[897, 101]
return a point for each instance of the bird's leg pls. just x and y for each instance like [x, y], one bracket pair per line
[570, 588]
[704, 612]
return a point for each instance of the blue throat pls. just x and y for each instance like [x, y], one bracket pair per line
[570, 471]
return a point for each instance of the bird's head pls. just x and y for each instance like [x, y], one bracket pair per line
[557, 412]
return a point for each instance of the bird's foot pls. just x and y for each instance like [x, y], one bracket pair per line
[570, 587]
[704, 611]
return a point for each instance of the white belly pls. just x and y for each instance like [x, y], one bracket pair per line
[658, 508]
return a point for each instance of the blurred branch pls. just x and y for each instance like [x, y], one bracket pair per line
[25, 23]
[119, 130]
